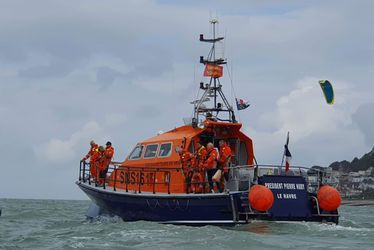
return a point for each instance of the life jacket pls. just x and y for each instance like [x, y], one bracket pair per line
[201, 152]
[224, 157]
[186, 160]
[95, 162]
[109, 152]
[200, 156]
[210, 159]
[107, 157]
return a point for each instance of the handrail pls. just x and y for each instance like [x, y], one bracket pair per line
[254, 166]
[149, 168]
[115, 178]
[138, 183]
[270, 166]
[115, 166]
[158, 168]
[317, 204]
[89, 172]
[80, 170]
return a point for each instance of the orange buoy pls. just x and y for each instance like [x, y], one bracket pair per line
[328, 198]
[260, 198]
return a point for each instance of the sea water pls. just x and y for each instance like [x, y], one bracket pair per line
[56, 224]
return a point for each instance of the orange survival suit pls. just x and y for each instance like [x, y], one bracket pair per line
[93, 156]
[223, 164]
[200, 157]
[210, 164]
[93, 149]
[105, 161]
[210, 161]
[197, 179]
[224, 157]
[95, 161]
[187, 160]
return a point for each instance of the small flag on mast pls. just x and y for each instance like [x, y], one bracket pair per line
[212, 70]
[287, 153]
[241, 104]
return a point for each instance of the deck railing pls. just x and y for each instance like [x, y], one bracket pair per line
[258, 170]
[85, 176]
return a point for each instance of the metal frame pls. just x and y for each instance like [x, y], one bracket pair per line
[84, 167]
[214, 88]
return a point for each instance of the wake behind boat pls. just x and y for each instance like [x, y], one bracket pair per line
[166, 179]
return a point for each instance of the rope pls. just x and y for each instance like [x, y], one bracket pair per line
[233, 92]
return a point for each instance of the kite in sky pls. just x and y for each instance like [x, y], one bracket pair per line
[328, 91]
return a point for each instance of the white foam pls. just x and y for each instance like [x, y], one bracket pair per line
[82, 238]
[77, 245]
[332, 227]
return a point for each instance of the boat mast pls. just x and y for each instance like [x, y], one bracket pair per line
[214, 70]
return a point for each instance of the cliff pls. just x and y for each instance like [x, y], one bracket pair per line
[357, 164]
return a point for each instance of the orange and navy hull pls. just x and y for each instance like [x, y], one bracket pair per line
[198, 209]
[177, 209]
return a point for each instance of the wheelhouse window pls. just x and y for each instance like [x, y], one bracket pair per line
[136, 152]
[150, 151]
[165, 150]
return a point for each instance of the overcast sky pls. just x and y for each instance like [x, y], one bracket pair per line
[72, 71]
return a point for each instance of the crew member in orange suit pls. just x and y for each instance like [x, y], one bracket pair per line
[224, 157]
[93, 149]
[197, 182]
[91, 155]
[186, 159]
[210, 164]
[95, 163]
[105, 161]
[223, 162]
[200, 155]
[197, 179]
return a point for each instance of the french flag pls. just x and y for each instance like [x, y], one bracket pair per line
[287, 153]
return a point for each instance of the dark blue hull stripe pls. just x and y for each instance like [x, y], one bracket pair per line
[188, 209]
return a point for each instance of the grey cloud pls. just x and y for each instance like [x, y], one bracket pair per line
[57, 68]
[83, 61]
[365, 121]
[105, 76]
[69, 35]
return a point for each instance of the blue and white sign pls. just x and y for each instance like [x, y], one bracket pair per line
[290, 195]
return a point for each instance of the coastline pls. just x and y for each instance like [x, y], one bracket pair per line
[358, 202]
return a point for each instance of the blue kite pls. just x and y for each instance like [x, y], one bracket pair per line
[328, 91]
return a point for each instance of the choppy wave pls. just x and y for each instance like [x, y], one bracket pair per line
[38, 224]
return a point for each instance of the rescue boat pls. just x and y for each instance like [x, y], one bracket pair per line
[151, 184]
